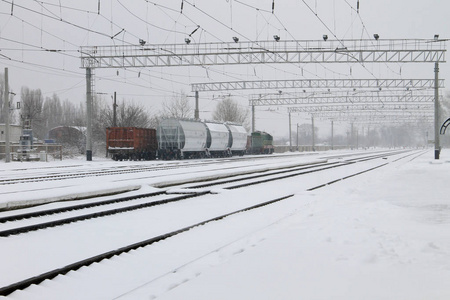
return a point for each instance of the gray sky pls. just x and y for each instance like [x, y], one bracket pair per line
[29, 28]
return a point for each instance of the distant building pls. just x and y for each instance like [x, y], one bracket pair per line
[15, 131]
[69, 135]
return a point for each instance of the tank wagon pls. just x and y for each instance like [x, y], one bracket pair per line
[131, 143]
[238, 139]
[217, 140]
[260, 142]
[179, 139]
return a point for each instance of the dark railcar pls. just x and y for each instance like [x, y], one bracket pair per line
[131, 143]
[260, 143]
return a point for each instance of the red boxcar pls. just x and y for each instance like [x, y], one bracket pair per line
[131, 143]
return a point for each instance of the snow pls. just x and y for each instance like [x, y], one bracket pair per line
[382, 235]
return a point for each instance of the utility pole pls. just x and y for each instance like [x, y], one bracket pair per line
[352, 137]
[253, 118]
[89, 114]
[332, 135]
[437, 146]
[290, 133]
[313, 134]
[297, 138]
[7, 108]
[115, 111]
[357, 139]
[196, 112]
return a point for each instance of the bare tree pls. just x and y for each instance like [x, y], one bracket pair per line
[31, 110]
[52, 112]
[229, 110]
[73, 115]
[178, 107]
[129, 114]
[304, 134]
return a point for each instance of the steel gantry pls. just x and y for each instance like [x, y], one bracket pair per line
[308, 97]
[379, 107]
[316, 84]
[264, 52]
[379, 117]
[258, 52]
[363, 115]
[339, 98]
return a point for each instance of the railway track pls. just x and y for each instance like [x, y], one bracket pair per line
[237, 181]
[94, 173]
[67, 172]
[233, 183]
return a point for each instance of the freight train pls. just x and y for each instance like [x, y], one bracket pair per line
[184, 138]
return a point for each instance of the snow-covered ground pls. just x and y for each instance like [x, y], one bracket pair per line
[381, 235]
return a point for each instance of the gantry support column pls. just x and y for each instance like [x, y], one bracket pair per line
[290, 133]
[89, 114]
[332, 135]
[313, 134]
[253, 118]
[6, 107]
[437, 146]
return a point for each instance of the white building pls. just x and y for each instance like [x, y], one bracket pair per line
[15, 131]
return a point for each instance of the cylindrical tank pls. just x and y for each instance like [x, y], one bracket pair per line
[217, 137]
[238, 138]
[181, 137]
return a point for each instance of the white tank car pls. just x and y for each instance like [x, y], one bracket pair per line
[238, 138]
[217, 139]
[181, 138]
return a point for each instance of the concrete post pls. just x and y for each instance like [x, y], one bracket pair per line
[313, 134]
[7, 109]
[115, 110]
[437, 146]
[290, 133]
[332, 135]
[89, 114]
[253, 118]
[197, 111]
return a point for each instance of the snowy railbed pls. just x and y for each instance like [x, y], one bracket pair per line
[381, 235]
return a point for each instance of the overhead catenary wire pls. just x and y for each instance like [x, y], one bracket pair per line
[173, 77]
[61, 51]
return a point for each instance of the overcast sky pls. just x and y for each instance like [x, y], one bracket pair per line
[28, 29]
